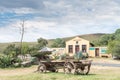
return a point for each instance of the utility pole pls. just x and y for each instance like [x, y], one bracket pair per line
[22, 31]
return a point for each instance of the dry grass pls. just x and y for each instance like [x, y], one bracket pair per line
[17, 71]
[96, 73]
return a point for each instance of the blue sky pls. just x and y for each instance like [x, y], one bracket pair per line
[57, 18]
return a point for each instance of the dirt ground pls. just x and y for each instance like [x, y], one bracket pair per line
[17, 71]
[24, 71]
[105, 60]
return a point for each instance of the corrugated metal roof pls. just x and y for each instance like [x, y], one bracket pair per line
[45, 49]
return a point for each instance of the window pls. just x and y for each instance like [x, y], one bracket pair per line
[76, 42]
[70, 50]
[84, 48]
[103, 50]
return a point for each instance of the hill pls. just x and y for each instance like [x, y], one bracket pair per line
[89, 37]
[4, 45]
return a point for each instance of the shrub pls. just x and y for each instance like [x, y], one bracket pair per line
[34, 60]
[63, 56]
[5, 61]
[78, 55]
[8, 61]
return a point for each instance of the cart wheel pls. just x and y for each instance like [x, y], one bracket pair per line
[42, 68]
[69, 68]
[84, 70]
[54, 69]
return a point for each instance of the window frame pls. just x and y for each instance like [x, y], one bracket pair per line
[70, 48]
[84, 48]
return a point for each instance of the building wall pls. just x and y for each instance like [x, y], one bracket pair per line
[92, 51]
[102, 52]
[77, 41]
[59, 50]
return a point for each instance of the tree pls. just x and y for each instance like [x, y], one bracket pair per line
[58, 43]
[96, 42]
[114, 48]
[13, 50]
[25, 48]
[32, 50]
[10, 56]
[117, 34]
[104, 40]
[10, 50]
[17, 50]
[117, 31]
[41, 43]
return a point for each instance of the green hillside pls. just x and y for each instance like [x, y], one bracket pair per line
[89, 37]
[4, 45]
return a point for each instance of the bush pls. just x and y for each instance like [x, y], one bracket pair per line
[34, 60]
[5, 61]
[62, 56]
[80, 56]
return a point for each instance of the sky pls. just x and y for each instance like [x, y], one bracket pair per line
[57, 18]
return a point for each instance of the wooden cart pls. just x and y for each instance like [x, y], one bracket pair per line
[68, 66]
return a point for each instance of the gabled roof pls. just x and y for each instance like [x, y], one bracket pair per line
[77, 39]
[45, 49]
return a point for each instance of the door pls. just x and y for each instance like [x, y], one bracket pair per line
[84, 48]
[96, 52]
[76, 48]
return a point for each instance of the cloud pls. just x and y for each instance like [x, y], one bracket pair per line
[57, 18]
[20, 4]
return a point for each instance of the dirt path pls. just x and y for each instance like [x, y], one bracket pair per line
[105, 60]
[18, 71]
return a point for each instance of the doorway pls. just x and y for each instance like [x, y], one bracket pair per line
[96, 52]
[76, 48]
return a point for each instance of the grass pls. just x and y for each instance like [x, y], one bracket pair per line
[96, 73]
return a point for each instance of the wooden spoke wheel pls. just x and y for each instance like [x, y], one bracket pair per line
[42, 68]
[83, 70]
[53, 69]
[69, 68]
